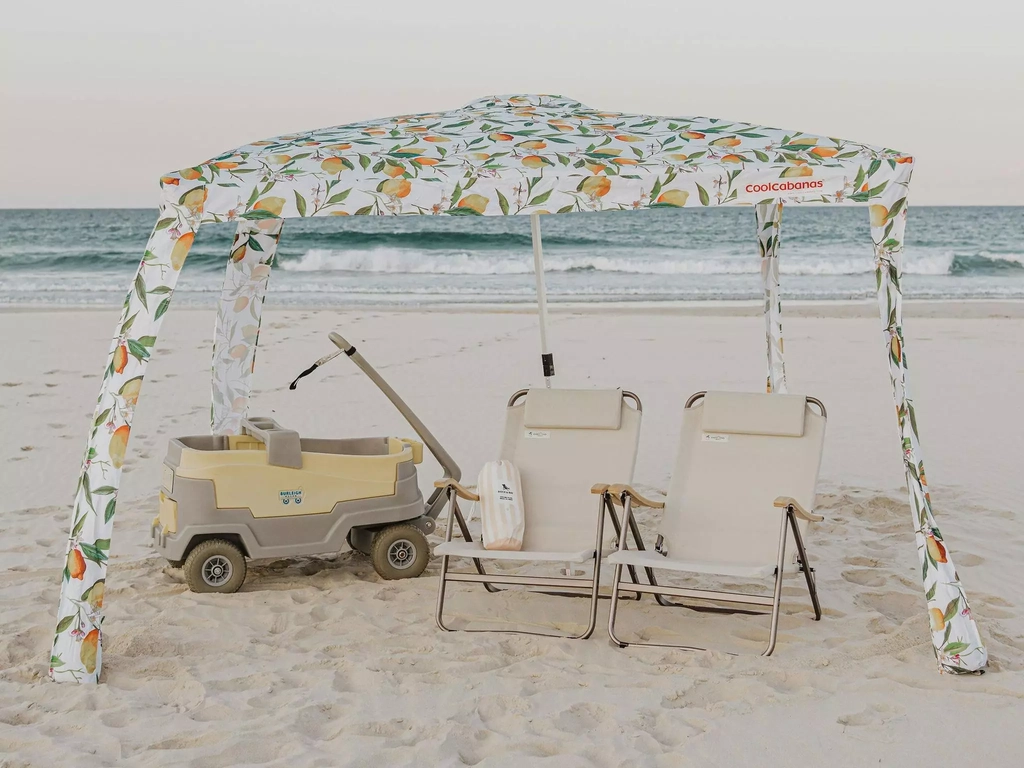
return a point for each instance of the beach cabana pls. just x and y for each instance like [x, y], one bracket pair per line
[498, 156]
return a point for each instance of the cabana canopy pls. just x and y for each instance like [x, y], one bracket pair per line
[527, 154]
[498, 156]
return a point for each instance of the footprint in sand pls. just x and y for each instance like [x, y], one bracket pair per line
[995, 600]
[967, 559]
[865, 578]
[11, 384]
[895, 606]
[873, 715]
[864, 562]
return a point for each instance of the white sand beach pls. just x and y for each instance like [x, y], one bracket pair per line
[318, 662]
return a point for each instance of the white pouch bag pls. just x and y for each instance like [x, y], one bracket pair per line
[501, 506]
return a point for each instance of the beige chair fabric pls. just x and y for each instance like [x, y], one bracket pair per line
[750, 414]
[562, 441]
[738, 454]
[719, 507]
[573, 409]
[558, 465]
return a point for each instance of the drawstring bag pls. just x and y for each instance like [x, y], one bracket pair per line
[501, 506]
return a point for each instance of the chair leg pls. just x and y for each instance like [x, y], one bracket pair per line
[466, 536]
[812, 587]
[594, 592]
[453, 511]
[613, 609]
[777, 600]
[639, 541]
[627, 515]
[788, 522]
[439, 610]
[617, 525]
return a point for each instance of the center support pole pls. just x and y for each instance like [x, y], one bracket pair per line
[546, 358]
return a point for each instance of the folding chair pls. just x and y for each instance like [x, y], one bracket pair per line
[744, 478]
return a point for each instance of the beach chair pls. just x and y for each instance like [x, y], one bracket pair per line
[562, 441]
[744, 479]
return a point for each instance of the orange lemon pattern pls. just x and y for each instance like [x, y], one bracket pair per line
[955, 636]
[524, 153]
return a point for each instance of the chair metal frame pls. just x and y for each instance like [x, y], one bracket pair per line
[578, 586]
[626, 497]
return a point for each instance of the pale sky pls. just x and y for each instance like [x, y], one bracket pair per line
[98, 99]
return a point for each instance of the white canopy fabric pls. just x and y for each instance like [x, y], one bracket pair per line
[512, 155]
[498, 156]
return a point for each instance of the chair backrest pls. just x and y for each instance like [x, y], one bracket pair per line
[563, 441]
[738, 452]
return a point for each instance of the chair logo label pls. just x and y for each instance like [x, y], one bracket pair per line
[714, 437]
[287, 497]
[537, 434]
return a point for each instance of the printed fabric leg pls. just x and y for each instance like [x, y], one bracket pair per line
[238, 322]
[955, 636]
[769, 220]
[77, 645]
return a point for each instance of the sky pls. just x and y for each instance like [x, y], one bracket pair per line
[98, 100]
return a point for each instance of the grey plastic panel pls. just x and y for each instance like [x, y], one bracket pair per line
[198, 515]
[284, 448]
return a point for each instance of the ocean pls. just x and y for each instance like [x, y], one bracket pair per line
[87, 257]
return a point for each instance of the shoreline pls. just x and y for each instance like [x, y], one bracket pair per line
[965, 309]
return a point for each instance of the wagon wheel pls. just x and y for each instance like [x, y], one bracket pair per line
[215, 566]
[400, 552]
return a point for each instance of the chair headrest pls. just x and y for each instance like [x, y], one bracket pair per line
[573, 409]
[750, 413]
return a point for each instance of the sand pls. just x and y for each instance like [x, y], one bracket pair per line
[319, 662]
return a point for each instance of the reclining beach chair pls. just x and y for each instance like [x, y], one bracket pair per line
[744, 478]
[562, 441]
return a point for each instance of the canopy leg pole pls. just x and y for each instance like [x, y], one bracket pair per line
[239, 313]
[77, 652]
[546, 358]
[769, 221]
[955, 637]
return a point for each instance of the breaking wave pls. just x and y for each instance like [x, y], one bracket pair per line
[415, 262]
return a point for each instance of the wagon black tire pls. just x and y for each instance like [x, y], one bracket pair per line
[215, 565]
[360, 542]
[400, 552]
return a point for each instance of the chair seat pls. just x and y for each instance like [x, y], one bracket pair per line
[650, 559]
[475, 549]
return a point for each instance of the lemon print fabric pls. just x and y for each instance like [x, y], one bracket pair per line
[525, 154]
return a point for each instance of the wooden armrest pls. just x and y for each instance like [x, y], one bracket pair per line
[616, 491]
[791, 503]
[620, 489]
[460, 490]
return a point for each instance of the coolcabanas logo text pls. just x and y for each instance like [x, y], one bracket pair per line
[784, 186]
